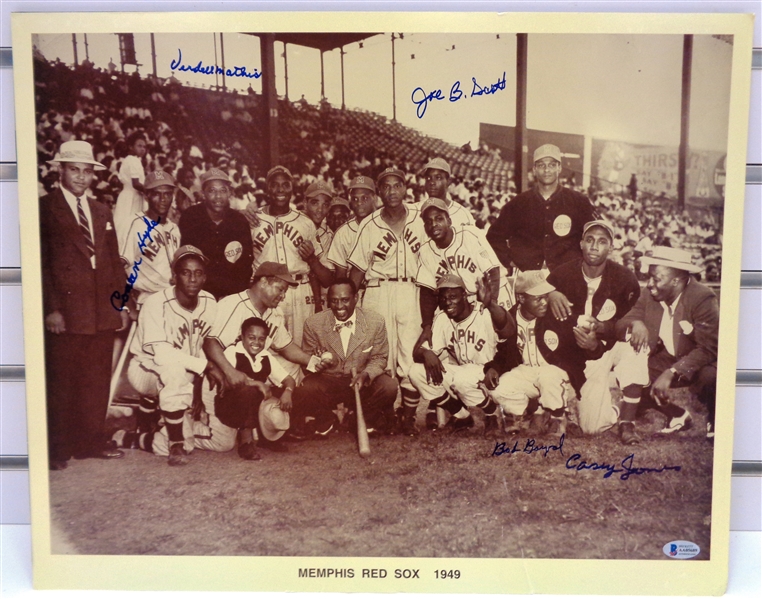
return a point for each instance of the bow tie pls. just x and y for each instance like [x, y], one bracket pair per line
[341, 325]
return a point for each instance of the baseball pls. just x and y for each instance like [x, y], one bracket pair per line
[326, 357]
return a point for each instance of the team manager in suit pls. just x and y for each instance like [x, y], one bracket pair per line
[358, 342]
[80, 271]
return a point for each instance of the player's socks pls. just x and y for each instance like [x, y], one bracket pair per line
[410, 398]
[174, 423]
[488, 406]
[431, 415]
[147, 414]
[628, 410]
[452, 405]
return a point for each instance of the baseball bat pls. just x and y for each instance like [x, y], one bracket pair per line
[120, 364]
[363, 442]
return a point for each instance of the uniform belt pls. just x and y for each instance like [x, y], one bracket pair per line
[398, 280]
[302, 278]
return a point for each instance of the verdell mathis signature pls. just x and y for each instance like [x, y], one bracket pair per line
[119, 300]
[211, 69]
[625, 468]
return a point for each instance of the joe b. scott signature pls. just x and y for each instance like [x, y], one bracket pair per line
[119, 300]
[576, 462]
[421, 99]
[211, 69]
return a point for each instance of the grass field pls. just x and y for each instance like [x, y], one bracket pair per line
[430, 496]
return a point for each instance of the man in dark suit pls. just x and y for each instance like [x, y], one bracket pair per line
[676, 319]
[357, 342]
[81, 276]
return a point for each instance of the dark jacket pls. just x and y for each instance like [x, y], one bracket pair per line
[531, 230]
[618, 284]
[228, 247]
[556, 343]
[69, 282]
[695, 326]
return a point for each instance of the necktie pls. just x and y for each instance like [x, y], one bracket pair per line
[341, 325]
[84, 226]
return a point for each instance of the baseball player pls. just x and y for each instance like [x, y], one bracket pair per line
[362, 202]
[524, 367]
[167, 347]
[339, 212]
[317, 198]
[152, 238]
[464, 338]
[541, 228]
[591, 295]
[437, 174]
[385, 257]
[288, 237]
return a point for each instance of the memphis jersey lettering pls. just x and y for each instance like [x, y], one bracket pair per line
[164, 320]
[155, 250]
[277, 239]
[472, 341]
[468, 256]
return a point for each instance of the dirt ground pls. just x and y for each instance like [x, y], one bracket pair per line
[435, 495]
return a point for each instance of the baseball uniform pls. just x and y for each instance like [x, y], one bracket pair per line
[469, 256]
[460, 216]
[464, 348]
[341, 245]
[168, 355]
[277, 239]
[153, 250]
[390, 266]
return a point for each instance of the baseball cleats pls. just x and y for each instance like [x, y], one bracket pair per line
[408, 421]
[627, 434]
[177, 455]
[248, 451]
[431, 421]
[678, 424]
[491, 426]
[457, 425]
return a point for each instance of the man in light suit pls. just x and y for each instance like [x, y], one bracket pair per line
[357, 342]
[676, 319]
[81, 276]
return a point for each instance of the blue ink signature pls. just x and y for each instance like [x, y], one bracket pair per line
[529, 448]
[421, 99]
[576, 463]
[118, 299]
[212, 69]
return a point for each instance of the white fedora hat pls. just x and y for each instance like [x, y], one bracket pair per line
[672, 257]
[77, 151]
[273, 421]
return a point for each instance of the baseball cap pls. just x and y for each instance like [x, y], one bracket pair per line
[362, 182]
[157, 179]
[450, 281]
[214, 174]
[599, 223]
[278, 170]
[437, 163]
[532, 282]
[547, 151]
[337, 201]
[273, 422]
[77, 151]
[434, 203]
[188, 250]
[390, 171]
[274, 269]
[317, 188]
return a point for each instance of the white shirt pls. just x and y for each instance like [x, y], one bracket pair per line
[666, 328]
[346, 331]
[71, 199]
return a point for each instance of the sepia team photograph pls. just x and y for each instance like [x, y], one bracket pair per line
[382, 288]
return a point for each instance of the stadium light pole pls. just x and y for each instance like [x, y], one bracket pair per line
[87, 50]
[270, 98]
[343, 105]
[322, 77]
[685, 118]
[520, 147]
[394, 84]
[222, 58]
[153, 56]
[74, 44]
[285, 65]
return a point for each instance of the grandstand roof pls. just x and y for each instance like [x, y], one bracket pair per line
[321, 41]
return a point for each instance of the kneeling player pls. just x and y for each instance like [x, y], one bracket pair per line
[239, 407]
[464, 339]
[172, 327]
[524, 367]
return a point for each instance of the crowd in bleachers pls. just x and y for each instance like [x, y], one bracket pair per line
[189, 130]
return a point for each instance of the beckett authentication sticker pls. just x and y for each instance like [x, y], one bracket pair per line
[520, 378]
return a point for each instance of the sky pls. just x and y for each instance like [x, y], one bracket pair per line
[615, 87]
